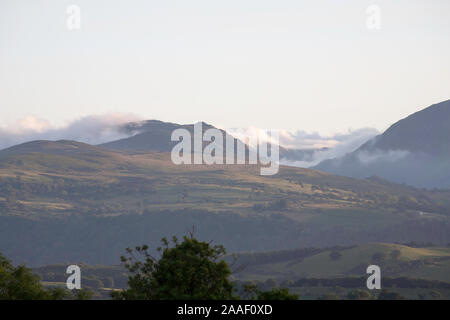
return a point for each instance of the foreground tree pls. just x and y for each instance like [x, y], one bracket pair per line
[18, 283]
[189, 270]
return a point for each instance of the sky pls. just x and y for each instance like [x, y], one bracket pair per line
[305, 66]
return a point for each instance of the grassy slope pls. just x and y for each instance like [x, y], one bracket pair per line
[235, 187]
[321, 266]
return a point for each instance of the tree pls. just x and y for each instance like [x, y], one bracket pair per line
[378, 257]
[83, 294]
[358, 295]
[251, 292]
[395, 254]
[435, 294]
[330, 296]
[189, 270]
[18, 283]
[335, 255]
[277, 294]
[389, 295]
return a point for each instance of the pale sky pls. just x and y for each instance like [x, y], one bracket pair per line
[282, 64]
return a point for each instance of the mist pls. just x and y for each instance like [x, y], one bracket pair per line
[320, 147]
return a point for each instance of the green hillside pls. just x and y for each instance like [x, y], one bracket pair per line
[395, 260]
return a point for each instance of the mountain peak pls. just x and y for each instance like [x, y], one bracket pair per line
[151, 135]
[426, 131]
[414, 150]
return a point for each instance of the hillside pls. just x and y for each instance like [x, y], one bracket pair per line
[61, 147]
[414, 151]
[68, 205]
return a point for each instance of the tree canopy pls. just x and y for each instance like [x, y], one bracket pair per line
[189, 270]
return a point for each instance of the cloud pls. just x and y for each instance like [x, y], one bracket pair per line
[253, 134]
[321, 147]
[367, 158]
[94, 129]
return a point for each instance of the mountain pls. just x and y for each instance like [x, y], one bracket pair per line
[150, 135]
[414, 151]
[155, 135]
[426, 131]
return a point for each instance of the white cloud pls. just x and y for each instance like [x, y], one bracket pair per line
[337, 144]
[367, 158]
[92, 129]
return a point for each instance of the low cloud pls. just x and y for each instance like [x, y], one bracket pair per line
[321, 147]
[367, 158]
[93, 129]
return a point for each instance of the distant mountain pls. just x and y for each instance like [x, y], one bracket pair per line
[414, 150]
[426, 131]
[152, 135]
[155, 135]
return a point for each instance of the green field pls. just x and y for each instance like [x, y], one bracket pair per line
[422, 263]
